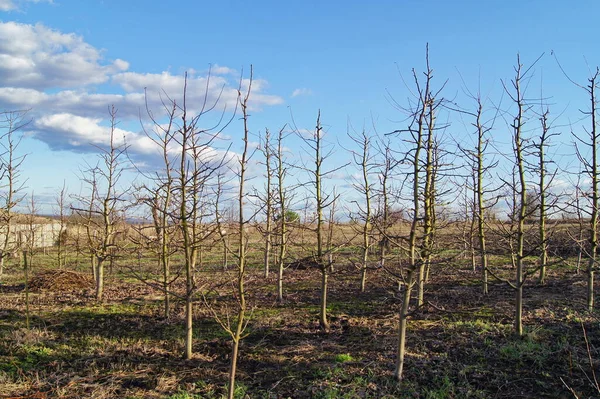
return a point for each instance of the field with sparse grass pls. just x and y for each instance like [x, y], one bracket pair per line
[460, 345]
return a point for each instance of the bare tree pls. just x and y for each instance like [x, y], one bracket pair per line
[431, 169]
[520, 190]
[195, 173]
[545, 178]
[586, 149]
[320, 205]
[30, 234]
[61, 238]
[519, 186]
[364, 160]
[284, 196]
[27, 244]
[159, 194]
[480, 170]
[331, 227]
[11, 183]
[576, 205]
[382, 219]
[103, 209]
[235, 326]
[480, 190]
[321, 202]
[590, 140]
[267, 198]
[420, 139]
[240, 322]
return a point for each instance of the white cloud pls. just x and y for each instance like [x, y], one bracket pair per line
[35, 56]
[217, 69]
[559, 183]
[71, 101]
[56, 75]
[11, 5]
[80, 134]
[200, 89]
[301, 92]
[76, 131]
[21, 98]
[7, 5]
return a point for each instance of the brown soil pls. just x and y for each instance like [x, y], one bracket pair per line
[460, 345]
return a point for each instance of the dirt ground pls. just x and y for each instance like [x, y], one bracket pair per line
[460, 345]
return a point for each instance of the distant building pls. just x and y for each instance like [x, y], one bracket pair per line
[41, 234]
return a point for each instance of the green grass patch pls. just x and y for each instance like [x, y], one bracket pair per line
[343, 358]
[526, 352]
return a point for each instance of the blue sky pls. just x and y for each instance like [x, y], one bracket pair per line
[68, 60]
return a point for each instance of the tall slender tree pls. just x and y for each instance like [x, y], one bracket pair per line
[159, 195]
[589, 162]
[545, 175]
[519, 186]
[364, 160]
[240, 321]
[587, 148]
[103, 208]
[480, 169]
[383, 218]
[419, 137]
[12, 184]
[194, 176]
[284, 197]
[321, 201]
[267, 198]
[181, 195]
[320, 204]
[61, 237]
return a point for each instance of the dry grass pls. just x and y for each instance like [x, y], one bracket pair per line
[460, 345]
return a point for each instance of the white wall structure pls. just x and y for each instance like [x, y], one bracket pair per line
[37, 235]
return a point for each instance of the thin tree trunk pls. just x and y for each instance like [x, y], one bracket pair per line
[282, 217]
[233, 368]
[384, 241]
[189, 327]
[579, 256]
[166, 276]
[324, 266]
[414, 266]
[26, 271]
[323, 300]
[401, 349]
[241, 292]
[94, 268]
[267, 251]
[365, 260]
[282, 250]
[479, 204]
[161, 222]
[428, 203]
[521, 188]
[225, 251]
[99, 279]
[543, 196]
[367, 222]
[595, 200]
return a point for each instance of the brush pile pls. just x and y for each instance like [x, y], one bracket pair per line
[306, 263]
[60, 280]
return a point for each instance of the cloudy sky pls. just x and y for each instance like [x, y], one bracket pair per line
[67, 61]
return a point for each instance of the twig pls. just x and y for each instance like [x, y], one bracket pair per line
[569, 388]
[587, 344]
